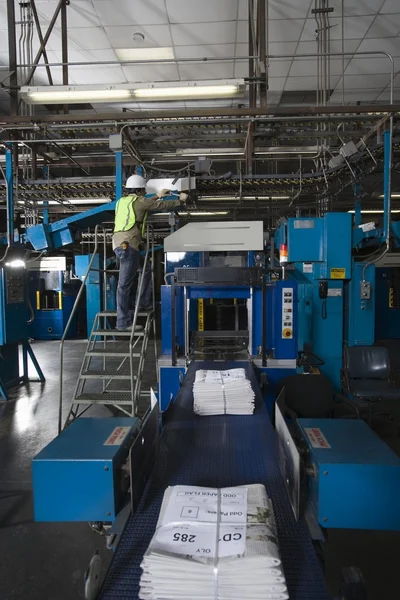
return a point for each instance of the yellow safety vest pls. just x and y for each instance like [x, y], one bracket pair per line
[125, 217]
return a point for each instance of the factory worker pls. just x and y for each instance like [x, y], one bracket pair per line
[129, 227]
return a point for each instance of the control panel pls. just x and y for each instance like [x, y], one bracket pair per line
[287, 313]
[15, 286]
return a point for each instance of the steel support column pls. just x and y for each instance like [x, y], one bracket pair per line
[387, 159]
[262, 49]
[118, 175]
[12, 56]
[41, 40]
[45, 40]
[10, 195]
[64, 46]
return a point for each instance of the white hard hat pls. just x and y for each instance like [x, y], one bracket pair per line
[135, 182]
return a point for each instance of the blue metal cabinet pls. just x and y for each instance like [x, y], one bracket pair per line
[356, 481]
[359, 314]
[79, 476]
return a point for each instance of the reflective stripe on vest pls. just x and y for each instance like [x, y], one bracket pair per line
[125, 217]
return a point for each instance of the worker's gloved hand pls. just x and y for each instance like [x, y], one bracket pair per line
[163, 193]
[183, 197]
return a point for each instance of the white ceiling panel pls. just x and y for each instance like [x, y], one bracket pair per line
[308, 67]
[391, 45]
[139, 12]
[352, 96]
[355, 82]
[288, 30]
[97, 75]
[204, 11]
[80, 13]
[390, 6]
[280, 9]
[357, 7]
[274, 49]
[206, 71]
[385, 95]
[204, 33]
[385, 26]
[276, 84]
[201, 51]
[336, 46]
[354, 28]
[149, 73]
[155, 36]
[301, 83]
[83, 38]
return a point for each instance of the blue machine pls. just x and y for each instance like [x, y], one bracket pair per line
[14, 316]
[353, 479]
[52, 300]
[218, 299]
[82, 475]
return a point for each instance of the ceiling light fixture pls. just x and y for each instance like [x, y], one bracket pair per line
[187, 92]
[195, 213]
[132, 92]
[373, 212]
[218, 198]
[396, 195]
[210, 152]
[131, 54]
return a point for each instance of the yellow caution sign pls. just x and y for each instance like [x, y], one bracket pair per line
[200, 314]
[338, 273]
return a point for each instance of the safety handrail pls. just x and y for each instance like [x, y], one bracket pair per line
[71, 316]
[135, 315]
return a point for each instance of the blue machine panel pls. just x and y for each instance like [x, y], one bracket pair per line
[359, 314]
[357, 476]
[13, 306]
[78, 476]
[305, 240]
[170, 383]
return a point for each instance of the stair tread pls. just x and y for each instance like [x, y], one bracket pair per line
[117, 332]
[104, 398]
[112, 352]
[112, 373]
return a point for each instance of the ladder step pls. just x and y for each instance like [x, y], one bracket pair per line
[115, 352]
[104, 398]
[113, 313]
[108, 373]
[116, 333]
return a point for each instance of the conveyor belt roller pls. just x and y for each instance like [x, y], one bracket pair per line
[217, 452]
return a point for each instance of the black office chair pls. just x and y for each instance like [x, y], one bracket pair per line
[311, 396]
[367, 376]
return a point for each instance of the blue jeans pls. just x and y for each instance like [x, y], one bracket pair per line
[145, 299]
[129, 261]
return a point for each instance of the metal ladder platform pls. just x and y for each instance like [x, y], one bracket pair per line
[216, 451]
[111, 373]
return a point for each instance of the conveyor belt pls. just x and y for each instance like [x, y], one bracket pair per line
[217, 452]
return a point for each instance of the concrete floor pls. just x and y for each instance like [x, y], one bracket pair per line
[47, 561]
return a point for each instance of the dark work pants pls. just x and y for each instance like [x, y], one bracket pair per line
[129, 262]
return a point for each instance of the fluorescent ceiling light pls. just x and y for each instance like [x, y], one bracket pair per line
[131, 54]
[74, 201]
[187, 92]
[76, 96]
[391, 195]
[125, 92]
[195, 213]
[210, 152]
[373, 212]
[217, 198]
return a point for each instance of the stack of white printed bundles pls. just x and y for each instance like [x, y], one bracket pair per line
[214, 544]
[223, 393]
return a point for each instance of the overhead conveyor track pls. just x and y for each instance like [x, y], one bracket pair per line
[216, 451]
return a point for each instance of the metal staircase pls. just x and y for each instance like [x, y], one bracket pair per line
[112, 369]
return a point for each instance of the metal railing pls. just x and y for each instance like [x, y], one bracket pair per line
[134, 389]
